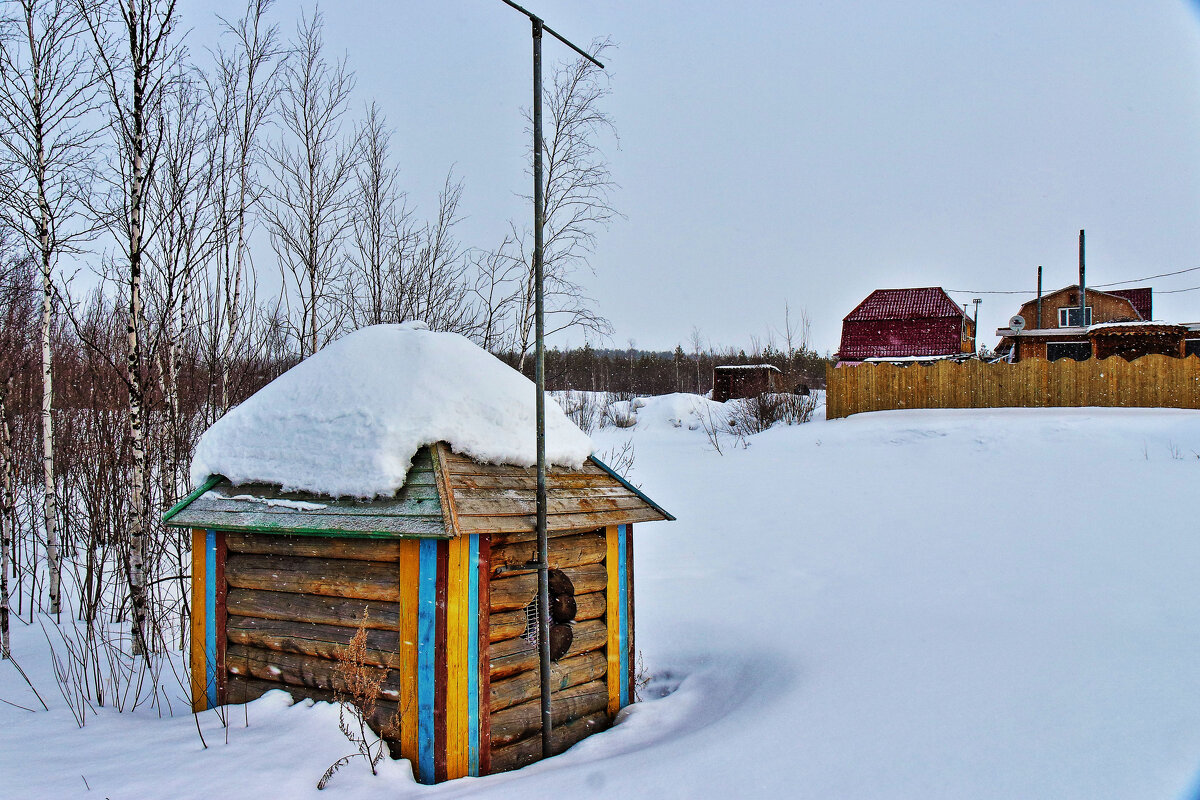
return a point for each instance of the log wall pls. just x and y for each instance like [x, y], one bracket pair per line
[293, 602]
[580, 700]
[446, 623]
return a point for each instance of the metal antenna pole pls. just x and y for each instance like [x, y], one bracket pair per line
[539, 214]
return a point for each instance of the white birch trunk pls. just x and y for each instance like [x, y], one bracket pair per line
[50, 503]
[137, 504]
[6, 501]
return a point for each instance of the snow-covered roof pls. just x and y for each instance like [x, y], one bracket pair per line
[1135, 324]
[348, 420]
[905, 359]
[749, 366]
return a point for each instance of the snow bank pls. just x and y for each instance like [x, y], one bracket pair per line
[348, 420]
[678, 410]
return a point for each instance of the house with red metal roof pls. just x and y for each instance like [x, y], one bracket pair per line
[906, 324]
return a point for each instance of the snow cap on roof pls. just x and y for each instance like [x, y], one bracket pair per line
[348, 420]
[920, 303]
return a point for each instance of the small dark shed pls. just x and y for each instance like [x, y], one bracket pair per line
[732, 381]
[441, 572]
[899, 323]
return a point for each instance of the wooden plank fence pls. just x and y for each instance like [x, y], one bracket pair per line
[1152, 381]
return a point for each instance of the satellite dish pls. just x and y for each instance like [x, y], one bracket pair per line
[1017, 323]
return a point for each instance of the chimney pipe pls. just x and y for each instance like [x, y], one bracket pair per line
[1039, 305]
[1082, 286]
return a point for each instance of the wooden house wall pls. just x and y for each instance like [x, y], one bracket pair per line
[1105, 308]
[729, 384]
[1131, 345]
[593, 679]
[276, 609]
[292, 602]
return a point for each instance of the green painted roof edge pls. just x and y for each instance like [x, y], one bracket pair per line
[319, 532]
[212, 481]
[670, 517]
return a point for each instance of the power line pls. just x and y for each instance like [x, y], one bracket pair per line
[981, 291]
[1147, 278]
[1095, 285]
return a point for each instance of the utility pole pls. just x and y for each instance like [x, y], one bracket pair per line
[543, 544]
[976, 301]
[1082, 286]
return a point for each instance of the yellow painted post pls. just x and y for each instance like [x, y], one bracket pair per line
[612, 620]
[410, 584]
[458, 586]
[198, 667]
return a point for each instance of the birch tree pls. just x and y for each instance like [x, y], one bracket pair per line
[382, 238]
[136, 59]
[243, 92]
[180, 209]
[46, 95]
[307, 213]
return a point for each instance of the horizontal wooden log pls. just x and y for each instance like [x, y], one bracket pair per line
[467, 484]
[297, 670]
[243, 690]
[526, 686]
[311, 639]
[511, 624]
[527, 751]
[565, 522]
[521, 721]
[457, 464]
[512, 656]
[517, 591]
[498, 502]
[312, 608]
[566, 551]
[502, 539]
[364, 580]
[382, 550]
[506, 625]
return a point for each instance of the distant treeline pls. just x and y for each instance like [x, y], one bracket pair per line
[647, 372]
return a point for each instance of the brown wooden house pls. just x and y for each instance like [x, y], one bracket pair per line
[731, 381]
[441, 574]
[1113, 323]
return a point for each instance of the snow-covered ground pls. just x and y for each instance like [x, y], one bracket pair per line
[922, 604]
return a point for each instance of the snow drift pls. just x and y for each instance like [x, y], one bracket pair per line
[348, 420]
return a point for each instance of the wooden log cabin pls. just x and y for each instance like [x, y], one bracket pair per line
[442, 574]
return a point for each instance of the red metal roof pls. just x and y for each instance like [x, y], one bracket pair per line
[930, 302]
[902, 322]
[1142, 299]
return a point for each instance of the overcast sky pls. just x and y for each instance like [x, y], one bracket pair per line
[812, 152]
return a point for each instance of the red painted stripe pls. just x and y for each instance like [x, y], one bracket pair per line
[485, 671]
[440, 677]
[629, 610]
[222, 589]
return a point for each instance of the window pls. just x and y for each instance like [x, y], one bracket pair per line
[1191, 347]
[1078, 351]
[1069, 317]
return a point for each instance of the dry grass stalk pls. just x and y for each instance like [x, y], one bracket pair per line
[357, 699]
